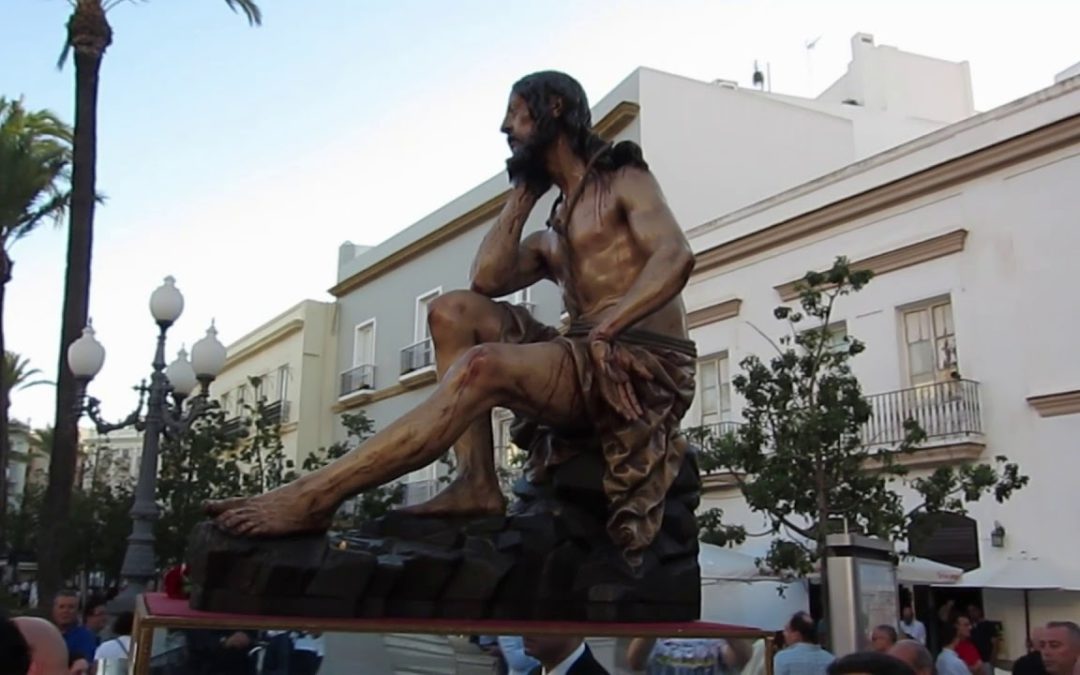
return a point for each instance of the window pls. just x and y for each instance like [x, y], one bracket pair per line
[364, 344]
[282, 383]
[930, 343]
[505, 449]
[422, 304]
[241, 398]
[836, 340]
[520, 297]
[835, 336]
[714, 390]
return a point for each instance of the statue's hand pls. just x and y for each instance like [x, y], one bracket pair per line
[615, 368]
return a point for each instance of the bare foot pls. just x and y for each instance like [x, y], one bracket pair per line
[290, 509]
[462, 498]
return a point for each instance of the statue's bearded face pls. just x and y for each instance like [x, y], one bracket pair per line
[528, 139]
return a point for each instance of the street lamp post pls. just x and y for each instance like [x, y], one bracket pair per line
[179, 378]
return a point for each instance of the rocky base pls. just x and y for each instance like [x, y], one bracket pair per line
[550, 559]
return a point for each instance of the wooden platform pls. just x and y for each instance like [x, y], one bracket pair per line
[157, 611]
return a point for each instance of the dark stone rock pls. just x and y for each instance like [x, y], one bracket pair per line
[344, 574]
[556, 596]
[688, 480]
[550, 559]
[424, 573]
[479, 574]
[679, 521]
[579, 478]
[510, 539]
[489, 525]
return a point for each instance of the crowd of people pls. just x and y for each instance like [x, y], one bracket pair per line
[74, 638]
[68, 643]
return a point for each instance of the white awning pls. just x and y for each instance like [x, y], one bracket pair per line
[918, 571]
[723, 564]
[1022, 572]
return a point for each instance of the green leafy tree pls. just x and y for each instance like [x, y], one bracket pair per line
[94, 537]
[371, 503]
[196, 466]
[801, 457]
[35, 158]
[224, 457]
[88, 36]
[261, 453]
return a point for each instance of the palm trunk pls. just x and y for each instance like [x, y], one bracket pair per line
[5, 393]
[89, 35]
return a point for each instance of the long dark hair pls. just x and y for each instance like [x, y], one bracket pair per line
[540, 89]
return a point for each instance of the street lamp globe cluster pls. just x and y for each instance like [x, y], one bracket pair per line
[86, 356]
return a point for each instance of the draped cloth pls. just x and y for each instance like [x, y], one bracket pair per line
[643, 456]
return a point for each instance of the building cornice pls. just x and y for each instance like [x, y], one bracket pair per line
[896, 259]
[1060, 403]
[617, 119]
[272, 338]
[713, 313]
[913, 186]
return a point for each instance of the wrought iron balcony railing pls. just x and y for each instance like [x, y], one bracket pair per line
[358, 378]
[943, 410]
[417, 356]
[699, 434]
[276, 412]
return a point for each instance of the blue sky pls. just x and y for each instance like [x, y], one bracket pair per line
[238, 159]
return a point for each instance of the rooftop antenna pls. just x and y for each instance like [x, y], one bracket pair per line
[759, 77]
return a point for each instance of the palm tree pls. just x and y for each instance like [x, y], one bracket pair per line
[17, 373]
[35, 156]
[88, 36]
[20, 525]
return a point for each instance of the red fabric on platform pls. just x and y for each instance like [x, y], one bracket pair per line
[162, 607]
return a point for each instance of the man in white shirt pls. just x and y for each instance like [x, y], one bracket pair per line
[118, 648]
[912, 627]
[562, 655]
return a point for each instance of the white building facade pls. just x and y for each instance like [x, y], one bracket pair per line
[968, 324]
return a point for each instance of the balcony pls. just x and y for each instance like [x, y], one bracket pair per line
[945, 411]
[235, 427]
[417, 364]
[699, 433]
[357, 379]
[950, 413]
[276, 412]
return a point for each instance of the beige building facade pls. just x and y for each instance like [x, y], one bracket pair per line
[292, 358]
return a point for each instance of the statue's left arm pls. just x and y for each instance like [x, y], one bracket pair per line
[669, 261]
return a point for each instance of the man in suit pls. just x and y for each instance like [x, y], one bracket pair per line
[562, 655]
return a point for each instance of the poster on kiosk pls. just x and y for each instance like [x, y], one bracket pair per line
[862, 590]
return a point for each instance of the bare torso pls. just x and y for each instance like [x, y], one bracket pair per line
[604, 260]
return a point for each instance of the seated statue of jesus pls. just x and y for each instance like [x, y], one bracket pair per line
[622, 373]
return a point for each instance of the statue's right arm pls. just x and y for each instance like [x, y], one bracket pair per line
[505, 263]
